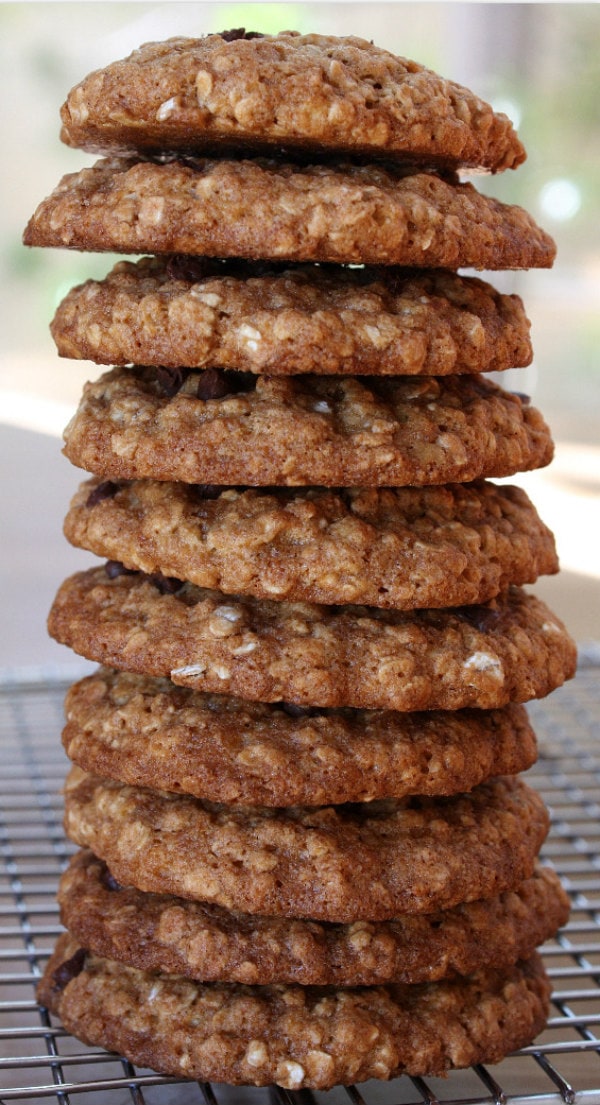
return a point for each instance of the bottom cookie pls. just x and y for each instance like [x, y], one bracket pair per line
[313, 1037]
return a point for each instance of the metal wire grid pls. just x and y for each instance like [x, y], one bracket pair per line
[39, 1061]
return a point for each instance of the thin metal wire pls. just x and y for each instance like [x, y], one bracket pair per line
[41, 1062]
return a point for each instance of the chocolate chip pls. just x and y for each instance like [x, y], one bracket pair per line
[114, 568]
[450, 176]
[298, 711]
[167, 585]
[68, 970]
[207, 490]
[215, 383]
[108, 880]
[484, 618]
[182, 267]
[246, 269]
[170, 380]
[525, 399]
[104, 490]
[346, 494]
[240, 32]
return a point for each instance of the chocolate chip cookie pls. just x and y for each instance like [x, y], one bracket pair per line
[312, 92]
[197, 313]
[404, 547]
[508, 650]
[152, 733]
[367, 861]
[157, 932]
[267, 209]
[221, 427]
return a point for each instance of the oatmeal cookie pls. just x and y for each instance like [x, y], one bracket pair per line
[295, 1036]
[265, 209]
[220, 427]
[367, 861]
[152, 733]
[157, 932]
[404, 548]
[196, 313]
[508, 650]
[312, 92]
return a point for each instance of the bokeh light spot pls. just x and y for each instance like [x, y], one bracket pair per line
[510, 108]
[560, 199]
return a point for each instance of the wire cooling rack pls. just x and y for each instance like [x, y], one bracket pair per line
[39, 1061]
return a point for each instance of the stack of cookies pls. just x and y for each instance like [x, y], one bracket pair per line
[307, 855]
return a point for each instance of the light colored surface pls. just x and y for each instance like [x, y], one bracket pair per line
[34, 556]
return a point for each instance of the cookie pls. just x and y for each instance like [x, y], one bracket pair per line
[148, 732]
[313, 92]
[156, 932]
[295, 1036]
[403, 548]
[265, 209]
[509, 650]
[236, 428]
[360, 862]
[196, 313]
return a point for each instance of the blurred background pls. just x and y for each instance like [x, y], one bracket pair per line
[537, 62]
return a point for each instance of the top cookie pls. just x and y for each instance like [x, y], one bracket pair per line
[303, 91]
